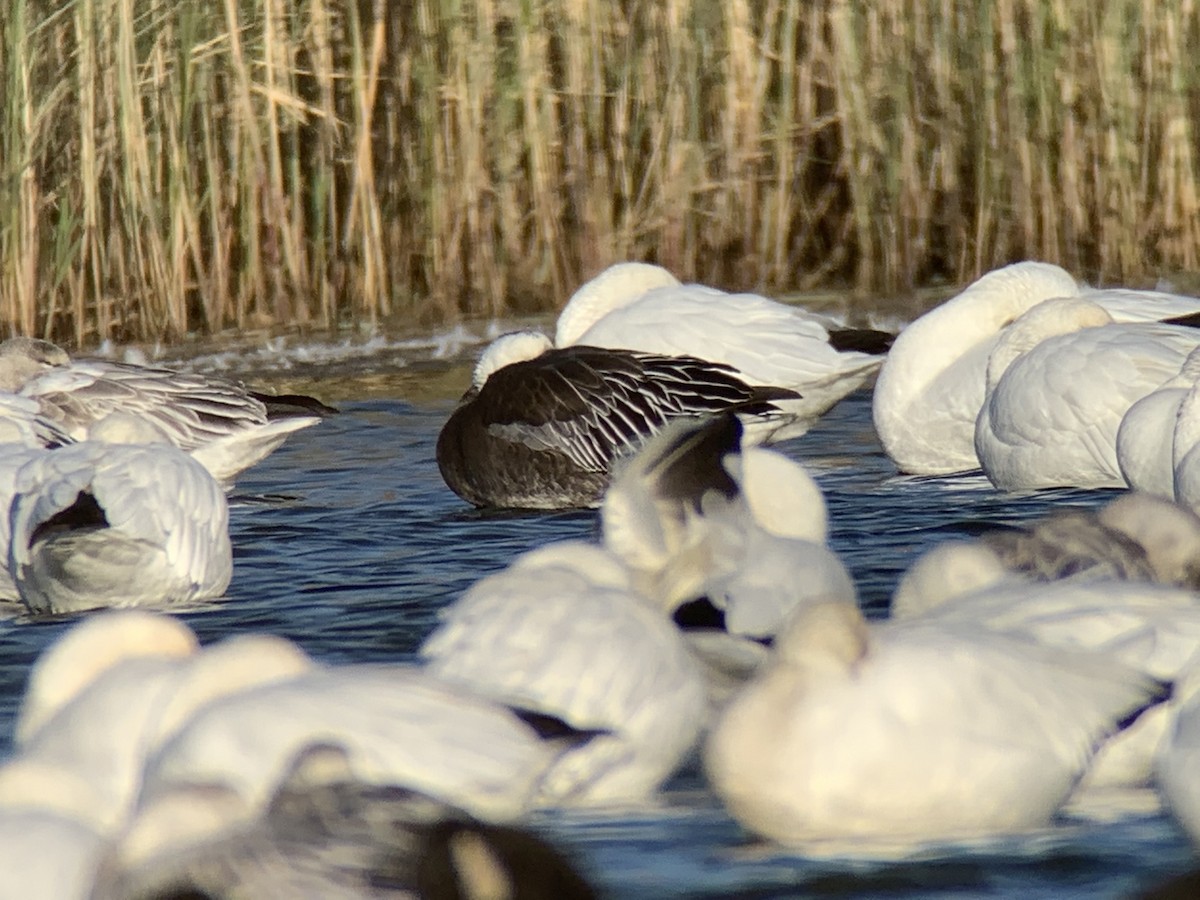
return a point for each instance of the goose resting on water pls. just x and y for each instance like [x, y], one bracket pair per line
[121, 520]
[932, 385]
[637, 306]
[918, 731]
[226, 426]
[541, 427]
[1060, 380]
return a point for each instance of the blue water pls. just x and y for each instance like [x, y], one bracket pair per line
[347, 542]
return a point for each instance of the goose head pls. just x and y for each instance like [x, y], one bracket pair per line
[1050, 318]
[615, 287]
[22, 358]
[519, 346]
[946, 571]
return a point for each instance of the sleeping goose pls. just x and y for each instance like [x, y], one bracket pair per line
[1146, 445]
[122, 519]
[912, 731]
[1060, 380]
[932, 385]
[227, 426]
[541, 427]
[560, 633]
[637, 306]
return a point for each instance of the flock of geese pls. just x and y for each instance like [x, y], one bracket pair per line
[1041, 668]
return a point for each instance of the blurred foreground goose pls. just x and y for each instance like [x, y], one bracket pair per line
[225, 425]
[397, 724]
[637, 306]
[1151, 628]
[933, 382]
[729, 540]
[1177, 768]
[912, 731]
[1060, 380]
[541, 427]
[1136, 537]
[123, 519]
[561, 634]
[326, 835]
[111, 690]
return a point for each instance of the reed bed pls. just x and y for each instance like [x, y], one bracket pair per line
[176, 166]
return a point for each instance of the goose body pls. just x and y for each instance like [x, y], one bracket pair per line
[231, 426]
[933, 383]
[117, 524]
[636, 306]
[541, 427]
[548, 636]
[398, 725]
[1052, 413]
[913, 731]
[1177, 766]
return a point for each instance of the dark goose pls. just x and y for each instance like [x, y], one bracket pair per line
[541, 427]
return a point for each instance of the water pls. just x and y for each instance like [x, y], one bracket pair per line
[347, 542]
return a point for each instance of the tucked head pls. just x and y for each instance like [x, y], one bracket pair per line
[126, 428]
[1169, 533]
[832, 636]
[506, 350]
[615, 287]
[1050, 318]
[949, 570]
[22, 358]
[87, 651]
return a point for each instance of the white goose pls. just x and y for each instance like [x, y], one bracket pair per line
[398, 726]
[914, 731]
[932, 384]
[1178, 765]
[637, 306]
[226, 425]
[1146, 438]
[120, 520]
[1060, 380]
[108, 692]
[561, 634]
[728, 539]
[1136, 537]
[1185, 450]
[541, 427]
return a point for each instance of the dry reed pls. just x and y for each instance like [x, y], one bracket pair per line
[172, 166]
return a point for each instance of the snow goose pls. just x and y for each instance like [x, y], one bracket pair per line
[913, 731]
[727, 539]
[114, 687]
[1178, 765]
[1185, 450]
[541, 427]
[1152, 628]
[933, 381]
[1146, 438]
[398, 725]
[637, 306]
[548, 636]
[1136, 537]
[1060, 380]
[325, 835]
[47, 856]
[228, 426]
[119, 520]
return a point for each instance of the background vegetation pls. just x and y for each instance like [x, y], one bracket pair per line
[193, 165]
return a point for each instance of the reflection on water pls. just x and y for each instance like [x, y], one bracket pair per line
[347, 542]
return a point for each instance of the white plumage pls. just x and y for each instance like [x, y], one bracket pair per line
[932, 384]
[636, 306]
[548, 636]
[117, 524]
[920, 731]
[229, 427]
[1060, 380]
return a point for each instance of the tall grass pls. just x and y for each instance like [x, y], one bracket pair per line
[171, 166]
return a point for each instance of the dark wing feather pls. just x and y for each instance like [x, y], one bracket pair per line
[595, 404]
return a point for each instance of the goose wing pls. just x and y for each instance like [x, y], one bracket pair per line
[190, 409]
[594, 404]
